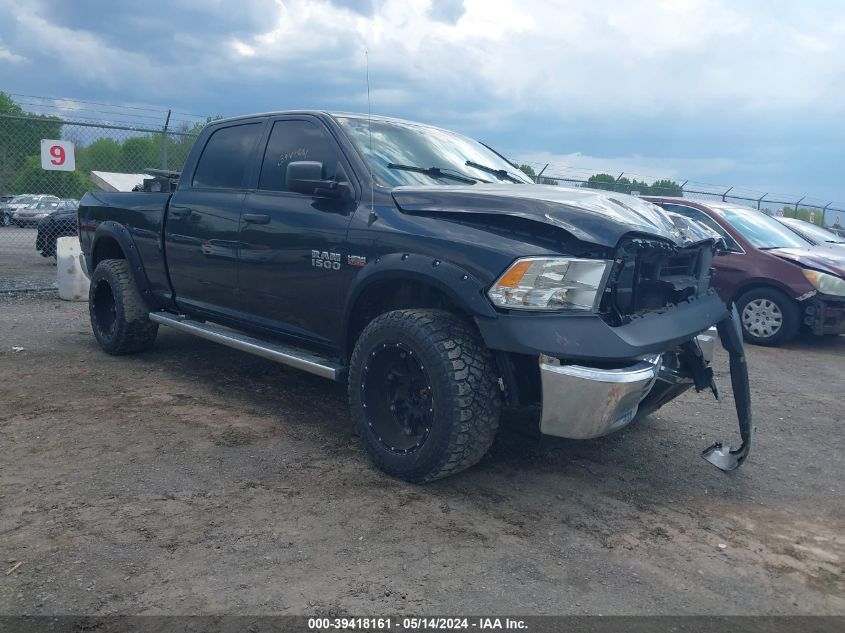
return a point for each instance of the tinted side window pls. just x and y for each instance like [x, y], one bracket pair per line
[226, 156]
[294, 141]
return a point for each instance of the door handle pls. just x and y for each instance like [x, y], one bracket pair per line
[179, 212]
[256, 218]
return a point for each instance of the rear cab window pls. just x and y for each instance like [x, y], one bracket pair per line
[226, 157]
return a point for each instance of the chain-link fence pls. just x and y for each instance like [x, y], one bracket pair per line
[39, 205]
[798, 207]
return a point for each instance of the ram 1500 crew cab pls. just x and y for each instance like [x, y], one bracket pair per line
[425, 271]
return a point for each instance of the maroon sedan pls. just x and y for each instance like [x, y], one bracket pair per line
[778, 280]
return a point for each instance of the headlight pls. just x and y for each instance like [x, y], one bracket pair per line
[551, 283]
[824, 283]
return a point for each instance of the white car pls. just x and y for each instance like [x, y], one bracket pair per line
[815, 234]
[10, 206]
[35, 210]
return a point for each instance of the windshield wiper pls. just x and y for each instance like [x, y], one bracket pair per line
[434, 172]
[499, 173]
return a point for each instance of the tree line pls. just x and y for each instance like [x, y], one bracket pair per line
[120, 151]
[607, 182]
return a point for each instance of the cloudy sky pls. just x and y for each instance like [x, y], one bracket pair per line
[748, 93]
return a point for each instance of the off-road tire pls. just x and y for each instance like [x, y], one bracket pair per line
[464, 385]
[788, 308]
[119, 316]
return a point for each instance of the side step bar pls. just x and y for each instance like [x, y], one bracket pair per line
[286, 355]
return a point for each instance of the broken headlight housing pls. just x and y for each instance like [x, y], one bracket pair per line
[824, 283]
[551, 283]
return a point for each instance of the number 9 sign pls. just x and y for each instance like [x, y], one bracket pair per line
[57, 155]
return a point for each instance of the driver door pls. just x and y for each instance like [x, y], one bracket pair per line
[283, 285]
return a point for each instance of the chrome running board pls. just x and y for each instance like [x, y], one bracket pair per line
[284, 354]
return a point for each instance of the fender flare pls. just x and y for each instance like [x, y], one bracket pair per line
[461, 287]
[123, 237]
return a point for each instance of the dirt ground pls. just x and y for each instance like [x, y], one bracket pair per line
[197, 479]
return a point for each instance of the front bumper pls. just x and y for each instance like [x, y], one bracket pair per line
[825, 315]
[29, 219]
[587, 337]
[584, 402]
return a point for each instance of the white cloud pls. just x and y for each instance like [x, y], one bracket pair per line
[635, 166]
[82, 53]
[68, 105]
[8, 56]
[575, 57]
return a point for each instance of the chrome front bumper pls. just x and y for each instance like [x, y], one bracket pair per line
[584, 402]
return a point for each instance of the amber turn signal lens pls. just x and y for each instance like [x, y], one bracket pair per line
[514, 275]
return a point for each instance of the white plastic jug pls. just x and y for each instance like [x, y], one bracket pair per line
[73, 284]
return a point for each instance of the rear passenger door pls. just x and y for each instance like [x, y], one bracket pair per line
[283, 285]
[203, 218]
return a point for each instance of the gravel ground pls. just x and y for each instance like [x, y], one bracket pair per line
[21, 266]
[196, 479]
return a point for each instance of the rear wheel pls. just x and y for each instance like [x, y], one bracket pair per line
[119, 317]
[423, 393]
[768, 316]
[5, 220]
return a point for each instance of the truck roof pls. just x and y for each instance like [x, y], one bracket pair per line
[333, 114]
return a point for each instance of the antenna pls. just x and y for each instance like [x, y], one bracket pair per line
[373, 216]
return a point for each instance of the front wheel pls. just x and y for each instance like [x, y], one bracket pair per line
[768, 316]
[119, 317]
[423, 393]
[5, 220]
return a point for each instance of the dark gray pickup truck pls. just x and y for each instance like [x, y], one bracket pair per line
[425, 271]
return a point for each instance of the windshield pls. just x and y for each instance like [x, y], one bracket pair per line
[396, 146]
[761, 230]
[22, 199]
[815, 233]
[52, 204]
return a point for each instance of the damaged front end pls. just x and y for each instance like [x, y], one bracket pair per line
[581, 402]
[650, 278]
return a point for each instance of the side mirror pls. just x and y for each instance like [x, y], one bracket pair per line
[306, 176]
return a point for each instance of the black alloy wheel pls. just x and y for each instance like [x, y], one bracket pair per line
[397, 395]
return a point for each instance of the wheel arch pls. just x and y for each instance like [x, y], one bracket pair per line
[762, 284]
[113, 241]
[403, 281]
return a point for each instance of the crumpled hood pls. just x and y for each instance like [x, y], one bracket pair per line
[590, 215]
[823, 259]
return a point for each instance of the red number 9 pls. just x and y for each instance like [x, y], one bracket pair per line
[58, 154]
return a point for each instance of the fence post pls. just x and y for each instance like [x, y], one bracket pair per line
[796, 205]
[759, 200]
[164, 142]
[824, 212]
[726, 193]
